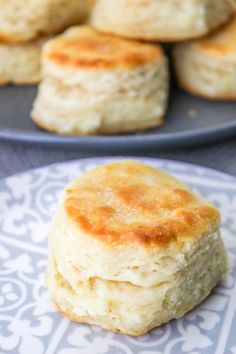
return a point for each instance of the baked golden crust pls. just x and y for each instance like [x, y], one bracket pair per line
[83, 47]
[4, 38]
[222, 42]
[127, 202]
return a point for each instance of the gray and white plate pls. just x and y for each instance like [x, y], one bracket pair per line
[29, 322]
[189, 121]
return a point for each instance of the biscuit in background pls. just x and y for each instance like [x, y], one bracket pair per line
[207, 67]
[95, 83]
[22, 21]
[20, 62]
[168, 20]
[131, 248]
[65, 13]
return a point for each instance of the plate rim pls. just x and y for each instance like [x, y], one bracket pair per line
[136, 141]
[86, 159]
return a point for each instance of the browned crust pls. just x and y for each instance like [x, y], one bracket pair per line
[16, 39]
[225, 45]
[19, 39]
[162, 213]
[173, 230]
[142, 127]
[5, 38]
[83, 47]
[3, 82]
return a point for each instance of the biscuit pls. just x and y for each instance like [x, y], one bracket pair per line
[169, 20]
[131, 248]
[96, 83]
[21, 21]
[20, 62]
[207, 67]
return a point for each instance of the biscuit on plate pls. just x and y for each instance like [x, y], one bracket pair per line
[20, 62]
[97, 83]
[22, 21]
[160, 20]
[131, 248]
[207, 67]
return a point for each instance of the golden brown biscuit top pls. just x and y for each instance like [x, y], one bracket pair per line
[126, 201]
[221, 42]
[83, 47]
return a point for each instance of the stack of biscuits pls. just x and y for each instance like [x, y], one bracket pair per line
[132, 247]
[205, 60]
[24, 28]
[111, 76]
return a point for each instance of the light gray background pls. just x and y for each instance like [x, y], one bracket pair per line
[17, 158]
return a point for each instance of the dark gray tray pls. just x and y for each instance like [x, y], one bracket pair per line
[213, 121]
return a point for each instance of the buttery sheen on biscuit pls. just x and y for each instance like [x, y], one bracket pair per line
[161, 20]
[207, 67]
[22, 21]
[20, 62]
[132, 248]
[96, 83]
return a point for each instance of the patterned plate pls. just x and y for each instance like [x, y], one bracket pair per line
[29, 322]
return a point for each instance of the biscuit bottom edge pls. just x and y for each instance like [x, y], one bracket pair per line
[125, 314]
[54, 128]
